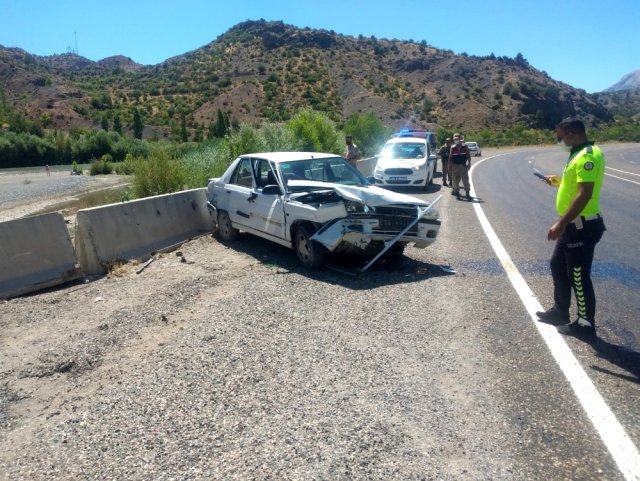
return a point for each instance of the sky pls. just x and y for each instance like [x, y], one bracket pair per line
[587, 44]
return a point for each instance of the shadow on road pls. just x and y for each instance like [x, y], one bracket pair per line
[341, 270]
[621, 356]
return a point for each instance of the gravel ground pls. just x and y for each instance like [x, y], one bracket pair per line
[226, 363]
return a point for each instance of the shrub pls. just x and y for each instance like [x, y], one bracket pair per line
[159, 174]
[76, 169]
[207, 161]
[102, 166]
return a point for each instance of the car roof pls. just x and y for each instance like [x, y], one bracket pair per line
[289, 156]
[407, 140]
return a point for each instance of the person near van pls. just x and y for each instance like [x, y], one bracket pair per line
[579, 228]
[444, 159]
[459, 165]
[351, 151]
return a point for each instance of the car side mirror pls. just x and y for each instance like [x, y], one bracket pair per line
[271, 190]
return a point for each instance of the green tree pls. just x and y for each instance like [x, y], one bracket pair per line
[184, 137]
[104, 122]
[137, 126]
[222, 124]
[117, 124]
[368, 132]
[315, 132]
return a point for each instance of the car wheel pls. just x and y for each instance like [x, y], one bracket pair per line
[310, 252]
[226, 231]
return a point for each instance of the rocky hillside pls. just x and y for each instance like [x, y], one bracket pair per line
[623, 98]
[631, 81]
[267, 70]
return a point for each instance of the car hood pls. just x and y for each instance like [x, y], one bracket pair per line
[400, 163]
[371, 195]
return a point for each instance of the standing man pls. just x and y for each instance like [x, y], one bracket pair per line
[576, 232]
[351, 151]
[459, 165]
[444, 159]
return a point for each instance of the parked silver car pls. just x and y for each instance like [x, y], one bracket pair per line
[317, 203]
[474, 148]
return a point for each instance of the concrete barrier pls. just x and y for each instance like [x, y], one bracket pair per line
[35, 253]
[136, 229]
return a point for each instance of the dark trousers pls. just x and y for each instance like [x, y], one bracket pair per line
[445, 170]
[571, 267]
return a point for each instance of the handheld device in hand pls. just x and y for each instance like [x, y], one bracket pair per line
[538, 174]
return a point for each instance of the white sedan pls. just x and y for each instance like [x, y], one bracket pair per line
[317, 203]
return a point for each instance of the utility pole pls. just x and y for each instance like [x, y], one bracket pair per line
[76, 39]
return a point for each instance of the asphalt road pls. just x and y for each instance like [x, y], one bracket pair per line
[520, 208]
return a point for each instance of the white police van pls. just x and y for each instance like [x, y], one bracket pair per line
[407, 159]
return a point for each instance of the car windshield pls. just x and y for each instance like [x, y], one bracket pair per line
[331, 169]
[403, 150]
[471, 144]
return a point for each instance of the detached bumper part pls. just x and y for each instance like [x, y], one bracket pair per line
[422, 211]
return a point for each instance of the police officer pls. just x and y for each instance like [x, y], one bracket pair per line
[444, 159]
[459, 165]
[577, 231]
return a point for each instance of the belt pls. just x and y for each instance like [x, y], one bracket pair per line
[578, 221]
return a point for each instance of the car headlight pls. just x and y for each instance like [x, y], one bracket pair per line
[352, 206]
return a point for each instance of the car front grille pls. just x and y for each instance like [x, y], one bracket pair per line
[398, 171]
[393, 225]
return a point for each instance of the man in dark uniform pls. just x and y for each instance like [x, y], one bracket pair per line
[577, 231]
[459, 165]
[444, 159]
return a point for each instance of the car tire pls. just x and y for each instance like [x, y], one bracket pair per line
[226, 231]
[310, 253]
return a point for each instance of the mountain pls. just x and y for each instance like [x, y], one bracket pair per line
[261, 70]
[631, 81]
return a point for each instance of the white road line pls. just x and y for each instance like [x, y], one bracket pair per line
[623, 171]
[622, 178]
[621, 447]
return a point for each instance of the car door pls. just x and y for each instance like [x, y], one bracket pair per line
[266, 209]
[236, 199]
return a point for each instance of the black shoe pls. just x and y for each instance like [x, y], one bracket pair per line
[457, 194]
[444, 184]
[576, 329]
[553, 316]
[469, 197]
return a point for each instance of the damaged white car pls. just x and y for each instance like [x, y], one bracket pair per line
[317, 203]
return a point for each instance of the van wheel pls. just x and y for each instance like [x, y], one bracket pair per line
[310, 252]
[226, 231]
